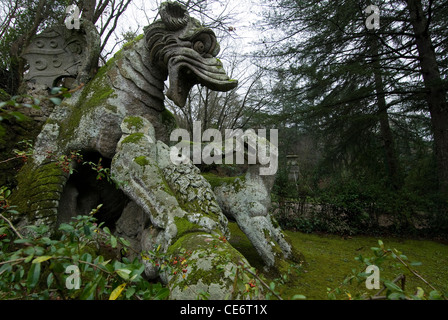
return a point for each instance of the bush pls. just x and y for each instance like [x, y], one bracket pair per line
[39, 267]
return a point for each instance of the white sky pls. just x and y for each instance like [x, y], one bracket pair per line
[142, 12]
[245, 13]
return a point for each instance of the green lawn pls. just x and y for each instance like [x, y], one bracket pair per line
[329, 258]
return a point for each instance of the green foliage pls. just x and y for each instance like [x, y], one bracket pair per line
[352, 91]
[11, 107]
[390, 288]
[34, 266]
[359, 204]
[21, 20]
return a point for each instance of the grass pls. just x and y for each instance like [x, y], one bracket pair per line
[330, 258]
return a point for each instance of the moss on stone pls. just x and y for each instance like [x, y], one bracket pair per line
[134, 123]
[217, 181]
[142, 161]
[168, 120]
[133, 138]
[102, 89]
[111, 108]
[184, 226]
[208, 263]
[130, 44]
[39, 192]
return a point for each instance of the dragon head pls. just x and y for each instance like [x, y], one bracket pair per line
[184, 50]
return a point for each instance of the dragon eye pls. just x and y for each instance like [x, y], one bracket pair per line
[199, 47]
[205, 43]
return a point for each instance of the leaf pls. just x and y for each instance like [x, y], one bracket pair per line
[19, 115]
[392, 286]
[89, 290]
[50, 280]
[66, 227]
[33, 275]
[104, 263]
[56, 101]
[87, 257]
[113, 241]
[130, 292]
[117, 291]
[298, 297]
[7, 193]
[125, 242]
[87, 230]
[420, 293]
[56, 90]
[395, 296]
[124, 273]
[435, 295]
[163, 293]
[415, 264]
[137, 272]
[42, 259]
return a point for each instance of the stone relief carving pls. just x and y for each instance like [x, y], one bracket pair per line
[58, 53]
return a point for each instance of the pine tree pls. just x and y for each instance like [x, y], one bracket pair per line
[358, 88]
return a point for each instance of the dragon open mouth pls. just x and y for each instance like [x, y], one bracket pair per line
[186, 69]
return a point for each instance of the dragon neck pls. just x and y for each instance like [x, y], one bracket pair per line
[136, 77]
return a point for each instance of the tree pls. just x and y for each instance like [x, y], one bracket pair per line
[436, 88]
[234, 109]
[348, 83]
[21, 20]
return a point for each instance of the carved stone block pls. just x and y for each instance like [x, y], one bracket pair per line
[58, 53]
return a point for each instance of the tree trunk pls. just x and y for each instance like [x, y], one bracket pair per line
[392, 163]
[88, 9]
[436, 94]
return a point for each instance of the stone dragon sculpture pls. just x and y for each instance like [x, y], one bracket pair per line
[119, 116]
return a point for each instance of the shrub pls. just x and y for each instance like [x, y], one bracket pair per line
[39, 267]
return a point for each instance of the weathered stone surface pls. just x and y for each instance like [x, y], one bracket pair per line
[211, 268]
[131, 226]
[59, 53]
[119, 115]
[246, 199]
[182, 209]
